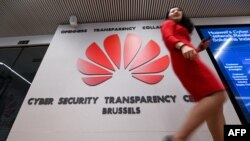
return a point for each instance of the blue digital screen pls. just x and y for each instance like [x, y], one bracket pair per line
[229, 51]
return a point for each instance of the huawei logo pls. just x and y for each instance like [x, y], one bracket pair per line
[141, 63]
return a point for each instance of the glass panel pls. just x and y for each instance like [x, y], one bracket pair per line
[15, 64]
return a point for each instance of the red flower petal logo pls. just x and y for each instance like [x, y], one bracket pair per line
[140, 62]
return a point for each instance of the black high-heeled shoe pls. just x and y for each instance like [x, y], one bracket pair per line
[168, 138]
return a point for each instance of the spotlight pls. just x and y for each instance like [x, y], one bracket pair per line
[73, 21]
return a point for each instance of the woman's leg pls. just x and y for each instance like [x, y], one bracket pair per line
[216, 124]
[204, 109]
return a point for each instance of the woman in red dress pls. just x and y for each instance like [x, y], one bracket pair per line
[203, 85]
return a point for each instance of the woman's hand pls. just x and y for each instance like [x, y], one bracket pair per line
[204, 44]
[188, 52]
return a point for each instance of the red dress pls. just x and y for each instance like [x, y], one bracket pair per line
[194, 75]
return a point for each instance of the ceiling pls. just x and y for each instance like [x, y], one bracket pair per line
[41, 17]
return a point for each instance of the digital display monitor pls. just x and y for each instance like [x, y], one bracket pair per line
[229, 51]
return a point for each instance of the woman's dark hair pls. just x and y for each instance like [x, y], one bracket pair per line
[185, 21]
